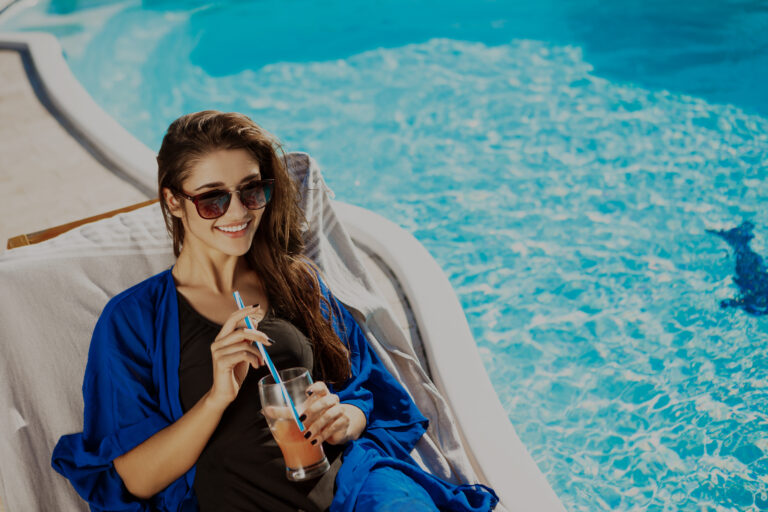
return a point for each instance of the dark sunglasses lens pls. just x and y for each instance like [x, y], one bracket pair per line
[256, 196]
[214, 205]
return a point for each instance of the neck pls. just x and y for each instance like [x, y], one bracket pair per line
[217, 273]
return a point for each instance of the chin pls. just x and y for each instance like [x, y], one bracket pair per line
[236, 249]
[231, 247]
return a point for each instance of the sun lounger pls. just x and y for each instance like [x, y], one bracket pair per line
[55, 288]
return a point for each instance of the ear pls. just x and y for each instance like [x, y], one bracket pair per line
[173, 202]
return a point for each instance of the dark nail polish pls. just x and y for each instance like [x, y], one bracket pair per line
[314, 441]
[310, 393]
[308, 435]
[255, 305]
[302, 417]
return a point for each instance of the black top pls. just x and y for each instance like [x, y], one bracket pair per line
[241, 467]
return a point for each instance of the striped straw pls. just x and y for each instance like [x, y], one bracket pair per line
[271, 366]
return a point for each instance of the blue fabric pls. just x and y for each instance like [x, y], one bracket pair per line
[131, 391]
[388, 490]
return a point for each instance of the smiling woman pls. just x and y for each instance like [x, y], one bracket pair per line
[194, 437]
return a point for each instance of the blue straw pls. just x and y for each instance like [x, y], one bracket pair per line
[271, 366]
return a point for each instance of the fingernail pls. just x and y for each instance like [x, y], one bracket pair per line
[314, 441]
[308, 435]
[255, 306]
[302, 417]
[310, 393]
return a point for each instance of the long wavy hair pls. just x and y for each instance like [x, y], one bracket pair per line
[277, 251]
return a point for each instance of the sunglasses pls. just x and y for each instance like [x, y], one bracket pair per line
[213, 204]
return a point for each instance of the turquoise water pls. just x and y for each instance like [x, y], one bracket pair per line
[562, 161]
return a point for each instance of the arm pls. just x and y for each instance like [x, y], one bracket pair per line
[151, 466]
[371, 401]
[164, 457]
[387, 405]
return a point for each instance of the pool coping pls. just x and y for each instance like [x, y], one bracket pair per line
[506, 466]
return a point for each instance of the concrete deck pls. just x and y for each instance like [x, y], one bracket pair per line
[47, 177]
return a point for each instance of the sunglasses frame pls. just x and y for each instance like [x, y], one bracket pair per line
[239, 190]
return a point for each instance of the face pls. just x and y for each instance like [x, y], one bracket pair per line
[233, 232]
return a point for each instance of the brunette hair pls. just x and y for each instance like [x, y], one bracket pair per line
[276, 253]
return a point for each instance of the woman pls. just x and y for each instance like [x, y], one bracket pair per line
[172, 416]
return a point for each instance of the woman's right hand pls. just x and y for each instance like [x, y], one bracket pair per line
[154, 464]
[233, 353]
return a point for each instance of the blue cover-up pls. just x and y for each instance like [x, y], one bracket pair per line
[131, 391]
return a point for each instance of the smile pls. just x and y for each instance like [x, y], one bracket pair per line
[234, 229]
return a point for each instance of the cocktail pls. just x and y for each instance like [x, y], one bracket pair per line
[303, 460]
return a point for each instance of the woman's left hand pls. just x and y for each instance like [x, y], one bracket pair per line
[326, 419]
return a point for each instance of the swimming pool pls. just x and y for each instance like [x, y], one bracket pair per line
[562, 161]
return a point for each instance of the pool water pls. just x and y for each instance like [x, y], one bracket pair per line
[568, 165]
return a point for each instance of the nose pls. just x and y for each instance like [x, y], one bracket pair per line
[236, 206]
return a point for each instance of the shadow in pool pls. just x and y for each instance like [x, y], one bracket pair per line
[751, 275]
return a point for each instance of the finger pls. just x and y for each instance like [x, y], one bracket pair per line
[315, 392]
[256, 335]
[239, 335]
[237, 317]
[255, 319]
[314, 428]
[315, 408]
[233, 349]
[317, 388]
[227, 362]
[335, 432]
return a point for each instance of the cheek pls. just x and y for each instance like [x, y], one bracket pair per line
[195, 225]
[185, 219]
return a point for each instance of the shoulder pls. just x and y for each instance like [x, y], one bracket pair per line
[315, 271]
[324, 289]
[325, 292]
[130, 320]
[143, 297]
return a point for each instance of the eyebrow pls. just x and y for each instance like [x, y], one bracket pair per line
[220, 184]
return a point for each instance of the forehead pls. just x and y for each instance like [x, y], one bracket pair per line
[228, 167]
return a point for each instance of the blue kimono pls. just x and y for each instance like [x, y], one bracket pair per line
[131, 391]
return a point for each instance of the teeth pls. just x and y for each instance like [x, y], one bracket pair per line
[233, 229]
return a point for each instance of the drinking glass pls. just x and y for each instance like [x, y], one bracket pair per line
[303, 460]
